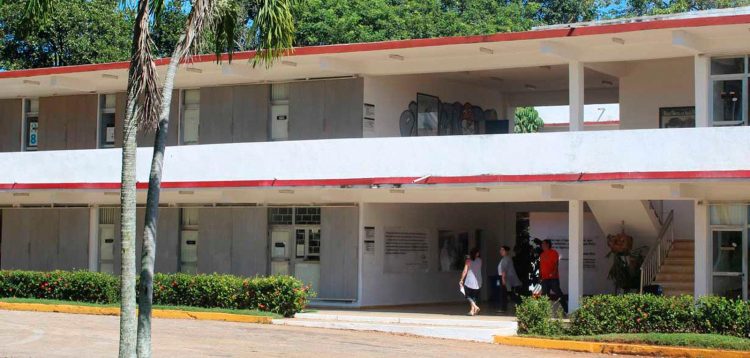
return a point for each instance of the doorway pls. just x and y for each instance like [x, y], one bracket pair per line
[729, 243]
[294, 235]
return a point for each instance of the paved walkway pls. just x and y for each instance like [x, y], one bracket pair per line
[33, 334]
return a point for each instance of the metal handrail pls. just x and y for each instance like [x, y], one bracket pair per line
[656, 254]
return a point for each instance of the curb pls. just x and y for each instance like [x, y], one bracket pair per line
[115, 311]
[617, 348]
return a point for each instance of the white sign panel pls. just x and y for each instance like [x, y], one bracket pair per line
[406, 251]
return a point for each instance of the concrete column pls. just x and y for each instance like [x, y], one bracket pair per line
[703, 266]
[575, 251]
[94, 239]
[575, 95]
[702, 90]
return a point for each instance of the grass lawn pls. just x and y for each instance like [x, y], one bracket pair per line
[693, 340]
[179, 308]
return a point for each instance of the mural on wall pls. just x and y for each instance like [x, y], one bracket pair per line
[428, 116]
[454, 247]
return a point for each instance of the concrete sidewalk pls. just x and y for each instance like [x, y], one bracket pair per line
[36, 334]
[437, 321]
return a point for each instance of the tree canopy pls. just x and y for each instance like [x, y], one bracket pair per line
[95, 31]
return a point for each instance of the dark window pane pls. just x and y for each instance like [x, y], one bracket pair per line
[726, 66]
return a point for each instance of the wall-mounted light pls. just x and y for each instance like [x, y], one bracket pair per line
[618, 186]
[529, 87]
[111, 193]
[110, 76]
[618, 40]
[194, 70]
[286, 191]
[289, 63]
[186, 192]
[31, 82]
[608, 83]
[486, 50]
[397, 191]
[482, 190]
[396, 57]
[21, 194]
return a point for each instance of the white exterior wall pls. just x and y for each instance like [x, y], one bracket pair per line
[391, 96]
[650, 85]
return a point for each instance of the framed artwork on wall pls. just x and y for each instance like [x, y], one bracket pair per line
[428, 110]
[677, 117]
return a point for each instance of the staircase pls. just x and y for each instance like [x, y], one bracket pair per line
[676, 275]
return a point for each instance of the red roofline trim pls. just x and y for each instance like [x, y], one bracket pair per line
[345, 182]
[415, 43]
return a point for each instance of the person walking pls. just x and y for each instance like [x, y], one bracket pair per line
[549, 261]
[471, 280]
[509, 281]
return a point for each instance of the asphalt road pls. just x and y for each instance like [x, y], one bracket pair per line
[33, 334]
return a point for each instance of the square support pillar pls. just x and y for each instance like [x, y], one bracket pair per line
[702, 90]
[703, 284]
[575, 95]
[94, 239]
[575, 251]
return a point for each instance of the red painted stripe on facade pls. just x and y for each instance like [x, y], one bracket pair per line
[414, 43]
[475, 179]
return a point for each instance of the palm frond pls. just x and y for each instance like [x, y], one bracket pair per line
[273, 27]
[144, 80]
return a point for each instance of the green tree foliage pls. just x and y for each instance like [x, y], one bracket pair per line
[568, 11]
[82, 31]
[527, 120]
[628, 8]
[346, 21]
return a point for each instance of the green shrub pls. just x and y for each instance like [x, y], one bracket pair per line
[534, 316]
[723, 316]
[632, 313]
[283, 295]
[81, 286]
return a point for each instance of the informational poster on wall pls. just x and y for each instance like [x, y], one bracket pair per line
[368, 120]
[406, 251]
[554, 226]
[369, 240]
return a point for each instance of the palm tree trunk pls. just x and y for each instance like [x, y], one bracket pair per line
[148, 255]
[128, 322]
[192, 27]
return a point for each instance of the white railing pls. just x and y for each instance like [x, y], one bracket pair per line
[656, 254]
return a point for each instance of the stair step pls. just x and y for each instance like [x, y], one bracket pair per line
[670, 285]
[678, 269]
[676, 292]
[685, 254]
[675, 277]
[679, 261]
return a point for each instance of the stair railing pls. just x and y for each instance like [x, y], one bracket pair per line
[657, 253]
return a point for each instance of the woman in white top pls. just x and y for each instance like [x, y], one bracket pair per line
[471, 280]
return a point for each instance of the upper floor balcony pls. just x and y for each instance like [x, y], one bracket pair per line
[543, 166]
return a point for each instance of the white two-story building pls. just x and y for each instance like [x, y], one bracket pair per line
[368, 169]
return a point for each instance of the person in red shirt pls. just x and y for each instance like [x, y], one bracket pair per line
[549, 261]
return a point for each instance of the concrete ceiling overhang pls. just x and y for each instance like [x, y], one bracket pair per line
[606, 49]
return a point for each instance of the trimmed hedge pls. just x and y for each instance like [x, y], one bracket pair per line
[80, 286]
[534, 316]
[633, 313]
[283, 295]
[603, 314]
